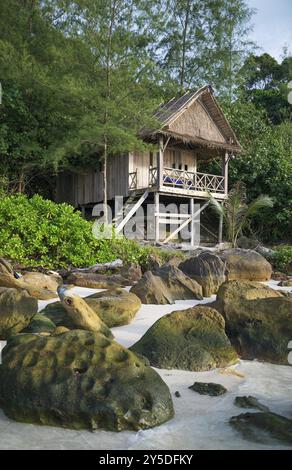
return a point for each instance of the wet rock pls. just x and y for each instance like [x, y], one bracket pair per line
[249, 402]
[192, 339]
[208, 388]
[17, 308]
[207, 269]
[263, 427]
[177, 394]
[80, 380]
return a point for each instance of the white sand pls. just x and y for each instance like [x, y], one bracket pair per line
[200, 422]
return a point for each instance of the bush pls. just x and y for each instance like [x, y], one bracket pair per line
[282, 259]
[38, 232]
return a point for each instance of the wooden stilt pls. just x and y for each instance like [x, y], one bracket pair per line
[220, 234]
[192, 205]
[156, 212]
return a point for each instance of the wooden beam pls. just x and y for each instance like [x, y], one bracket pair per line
[220, 229]
[186, 222]
[132, 212]
[192, 211]
[169, 214]
[156, 216]
[160, 164]
[225, 160]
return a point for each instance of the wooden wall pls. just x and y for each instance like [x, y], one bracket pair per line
[197, 122]
[87, 188]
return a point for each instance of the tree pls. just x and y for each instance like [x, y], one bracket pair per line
[236, 213]
[39, 103]
[205, 42]
[265, 84]
[119, 89]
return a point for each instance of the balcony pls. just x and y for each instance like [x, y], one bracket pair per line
[183, 182]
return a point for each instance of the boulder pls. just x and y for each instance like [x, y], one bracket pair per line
[81, 314]
[192, 339]
[207, 269]
[8, 280]
[115, 307]
[49, 282]
[5, 267]
[263, 427]
[258, 320]
[246, 265]
[40, 324]
[17, 308]
[80, 380]
[166, 285]
[125, 277]
[94, 280]
[208, 388]
[278, 276]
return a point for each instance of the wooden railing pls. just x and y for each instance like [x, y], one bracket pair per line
[133, 181]
[183, 179]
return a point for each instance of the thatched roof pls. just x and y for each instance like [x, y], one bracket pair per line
[213, 131]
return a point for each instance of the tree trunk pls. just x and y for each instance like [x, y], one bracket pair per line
[184, 39]
[105, 215]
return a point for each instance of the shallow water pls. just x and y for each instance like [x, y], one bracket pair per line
[200, 422]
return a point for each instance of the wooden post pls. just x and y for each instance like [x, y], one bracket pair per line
[156, 216]
[192, 222]
[220, 233]
[160, 163]
[225, 160]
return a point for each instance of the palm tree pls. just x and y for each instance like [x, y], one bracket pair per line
[235, 211]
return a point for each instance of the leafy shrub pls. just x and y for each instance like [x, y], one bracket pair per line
[282, 259]
[38, 232]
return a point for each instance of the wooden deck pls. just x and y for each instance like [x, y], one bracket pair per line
[182, 183]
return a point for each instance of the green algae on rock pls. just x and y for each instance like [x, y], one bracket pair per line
[115, 307]
[17, 308]
[40, 324]
[258, 320]
[192, 339]
[80, 380]
[263, 427]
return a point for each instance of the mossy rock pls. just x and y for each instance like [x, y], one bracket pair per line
[40, 324]
[249, 402]
[263, 427]
[17, 308]
[80, 380]
[115, 307]
[208, 388]
[258, 320]
[192, 339]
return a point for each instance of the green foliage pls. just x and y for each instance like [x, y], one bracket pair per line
[236, 213]
[265, 166]
[38, 232]
[282, 259]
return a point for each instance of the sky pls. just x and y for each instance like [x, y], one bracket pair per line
[272, 26]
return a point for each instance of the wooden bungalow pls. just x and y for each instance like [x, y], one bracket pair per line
[192, 130]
